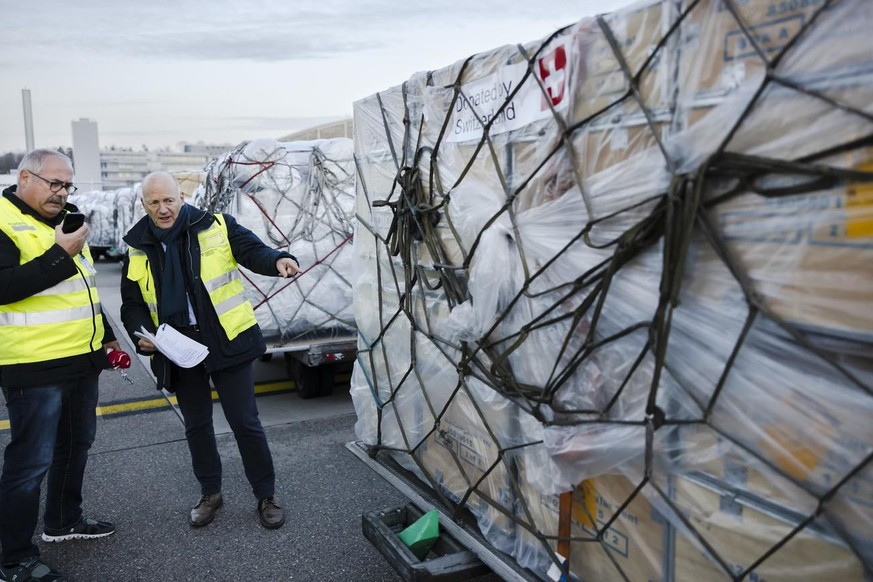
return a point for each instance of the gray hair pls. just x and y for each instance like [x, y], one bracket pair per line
[34, 160]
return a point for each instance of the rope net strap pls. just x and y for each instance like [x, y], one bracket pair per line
[614, 285]
[300, 198]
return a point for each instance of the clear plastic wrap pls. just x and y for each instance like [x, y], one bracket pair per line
[298, 197]
[100, 210]
[619, 280]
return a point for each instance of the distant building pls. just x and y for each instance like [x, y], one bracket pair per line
[121, 168]
[7, 180]
[113, 168]
[333, 129]
[212, 151]
[86, 154]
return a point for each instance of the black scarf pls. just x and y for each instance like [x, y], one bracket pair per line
[173, 306]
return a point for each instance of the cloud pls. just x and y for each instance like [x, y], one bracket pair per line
[248, 44]
[206, 30]
[150, 72]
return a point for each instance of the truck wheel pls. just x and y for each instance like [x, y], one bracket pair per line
[327, 379]
[309, 380]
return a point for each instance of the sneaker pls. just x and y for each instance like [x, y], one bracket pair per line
[84, 529]
[204, 512]
[30, 569]
[272, 516]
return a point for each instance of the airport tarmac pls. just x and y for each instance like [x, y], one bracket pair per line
[139, 477]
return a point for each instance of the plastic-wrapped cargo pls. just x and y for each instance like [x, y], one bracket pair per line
[129, 207]
[298, 197]
[613, 290]
[100, 210]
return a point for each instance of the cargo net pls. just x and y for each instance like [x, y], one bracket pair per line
[100, 212]
[614, 292]
[298, 197]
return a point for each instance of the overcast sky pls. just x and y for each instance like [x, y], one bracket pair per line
[160, 72]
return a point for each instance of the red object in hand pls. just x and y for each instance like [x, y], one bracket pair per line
[119, 359]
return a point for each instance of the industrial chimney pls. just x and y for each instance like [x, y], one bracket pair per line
[28, 119]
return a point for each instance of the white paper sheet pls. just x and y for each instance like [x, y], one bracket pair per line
[179, 348]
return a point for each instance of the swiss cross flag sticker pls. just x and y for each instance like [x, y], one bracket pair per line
[552, 68]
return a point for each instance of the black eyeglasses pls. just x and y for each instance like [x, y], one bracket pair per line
[56, 185]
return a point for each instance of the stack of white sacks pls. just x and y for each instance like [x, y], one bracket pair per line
[298, 197]
[295, 196]
[640, 311]
[99, 209]
[129, 211]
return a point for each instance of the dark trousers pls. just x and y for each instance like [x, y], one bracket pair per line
[52, 429]
[235, 387]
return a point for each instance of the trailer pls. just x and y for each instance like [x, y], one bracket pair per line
[313, 360]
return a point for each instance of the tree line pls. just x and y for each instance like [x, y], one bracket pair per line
[10, 160]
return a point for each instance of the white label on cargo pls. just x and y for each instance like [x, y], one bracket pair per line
[618, 138]
[555, 572]
[733, 75]
[488, 98]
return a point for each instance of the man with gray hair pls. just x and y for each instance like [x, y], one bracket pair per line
[53, 344]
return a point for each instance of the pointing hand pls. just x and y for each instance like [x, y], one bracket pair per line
[287, 267]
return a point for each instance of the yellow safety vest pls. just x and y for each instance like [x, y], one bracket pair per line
[218, 271]
[59, 322]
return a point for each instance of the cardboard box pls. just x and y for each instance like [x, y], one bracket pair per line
[599, 81]
[812, 274]
[461, 457]
[716, 55]
[189, 182]
[742, 534]
[600, 148]
[813, 453]
[809, 256]
[636, 541]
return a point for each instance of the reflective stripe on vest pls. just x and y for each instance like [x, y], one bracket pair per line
[139, 272]
[61, 321]
[218, 271]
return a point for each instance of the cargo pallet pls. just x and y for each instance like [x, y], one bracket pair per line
[452, 561]
[461, 531]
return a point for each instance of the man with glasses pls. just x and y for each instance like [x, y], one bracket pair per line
[53, 344]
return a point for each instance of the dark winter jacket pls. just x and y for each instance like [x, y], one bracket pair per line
[248, 250]
[18, 282]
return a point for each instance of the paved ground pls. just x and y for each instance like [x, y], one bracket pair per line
[139, 477]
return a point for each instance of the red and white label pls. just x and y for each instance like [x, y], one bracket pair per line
[498, 101]
[553, 72]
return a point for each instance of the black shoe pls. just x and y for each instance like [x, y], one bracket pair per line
[31, 569]
[84, 529]
[271, 514]
[204, 512]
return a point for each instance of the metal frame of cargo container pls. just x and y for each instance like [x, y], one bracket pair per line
[317, 348]
[303, 356]
[425, 500]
